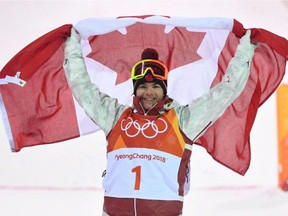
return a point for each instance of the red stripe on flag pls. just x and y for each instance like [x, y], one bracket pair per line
[43, 110]
[33, 56]
[231, 132]
[276, 42]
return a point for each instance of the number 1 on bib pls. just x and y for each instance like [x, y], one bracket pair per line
[137, 171]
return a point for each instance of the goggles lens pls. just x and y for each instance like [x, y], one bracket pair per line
[157, 68]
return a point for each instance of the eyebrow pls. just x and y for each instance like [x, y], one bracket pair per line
[156, 84]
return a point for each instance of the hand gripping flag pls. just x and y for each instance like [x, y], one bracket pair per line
[37, 106]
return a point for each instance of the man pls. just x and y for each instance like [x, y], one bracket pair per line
[150, 143]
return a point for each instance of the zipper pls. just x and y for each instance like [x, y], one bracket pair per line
[146, 113]
[135, 208]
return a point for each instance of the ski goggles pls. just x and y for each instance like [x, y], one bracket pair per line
[156, 67]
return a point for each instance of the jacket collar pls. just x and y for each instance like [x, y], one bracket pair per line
[155, 110]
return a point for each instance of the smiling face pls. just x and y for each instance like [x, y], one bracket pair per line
[150, 94]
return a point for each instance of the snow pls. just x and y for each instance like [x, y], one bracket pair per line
[65, 179]
[88, 202]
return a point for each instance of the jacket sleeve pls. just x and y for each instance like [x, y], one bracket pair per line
[102, 109]
[196, 117]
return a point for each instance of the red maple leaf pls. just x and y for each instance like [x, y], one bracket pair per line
[120, 52]
[149, 78]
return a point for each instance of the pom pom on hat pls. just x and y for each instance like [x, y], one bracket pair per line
[149, 53]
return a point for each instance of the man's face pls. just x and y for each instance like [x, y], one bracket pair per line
[150, 94]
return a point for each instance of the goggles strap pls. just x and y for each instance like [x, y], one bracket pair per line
[142, 68]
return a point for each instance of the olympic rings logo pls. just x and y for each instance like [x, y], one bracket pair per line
[128, 123]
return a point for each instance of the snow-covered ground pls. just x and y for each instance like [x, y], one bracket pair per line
[88, 202]
[65, 180]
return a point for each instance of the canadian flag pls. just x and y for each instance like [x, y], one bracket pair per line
[37, 106]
